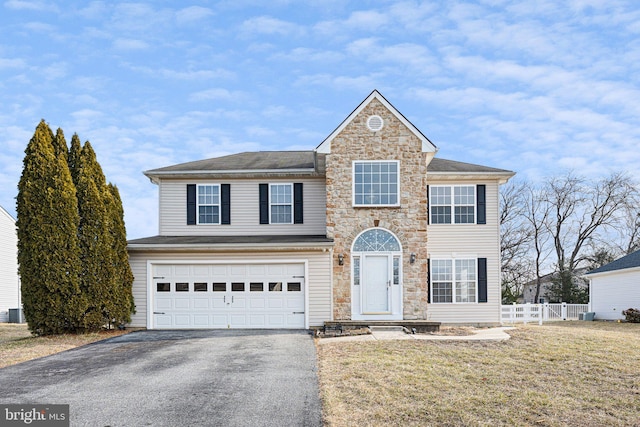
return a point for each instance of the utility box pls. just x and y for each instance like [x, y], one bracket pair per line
[589, 316]
[16, 315]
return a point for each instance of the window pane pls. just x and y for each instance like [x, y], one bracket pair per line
[275, 286]
[376, 183]
[200, 287]
[281, 214]
[442, 292]
[219, 287]
[396, 271]
[163, 287]
[464, 214]
[294, 287]
[182, 287]
[237, 287]
[356, 271]
[209, 214]
[256, 287]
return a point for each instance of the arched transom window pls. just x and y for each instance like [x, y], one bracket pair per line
[376, 240]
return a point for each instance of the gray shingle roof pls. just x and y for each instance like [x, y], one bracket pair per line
[289, 161]
[443, 165]
[629, 261]
[252, 161]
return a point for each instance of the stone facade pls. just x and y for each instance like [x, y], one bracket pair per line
[408, 221]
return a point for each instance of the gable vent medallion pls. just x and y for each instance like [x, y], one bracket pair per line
[375, 123]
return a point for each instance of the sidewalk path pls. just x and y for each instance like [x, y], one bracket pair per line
[480, 334]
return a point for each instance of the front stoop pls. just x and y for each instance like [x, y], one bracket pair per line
[420, 326]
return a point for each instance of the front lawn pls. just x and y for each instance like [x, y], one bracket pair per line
[558, 374]
[18, 345]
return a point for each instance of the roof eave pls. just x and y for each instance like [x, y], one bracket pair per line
[237, 173]
[608, 272]
[236, 247]
[502, 177]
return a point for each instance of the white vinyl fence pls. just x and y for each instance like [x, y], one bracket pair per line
[524, 313]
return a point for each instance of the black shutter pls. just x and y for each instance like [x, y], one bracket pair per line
[297, 203]
[191, 204]
[225, 203]
[481, 200]
[264, 203]
[428, 206]
[429, 280]
[482, 280]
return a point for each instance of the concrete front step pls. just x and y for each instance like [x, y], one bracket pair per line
[420, 326]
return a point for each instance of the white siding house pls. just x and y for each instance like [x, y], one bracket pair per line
[369, 226]
[9, 283]
[615, 287]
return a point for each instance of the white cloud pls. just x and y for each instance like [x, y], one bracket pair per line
[37, 6]
[191, 14]
[12, 63]
[270, 26]
[129, 44]
[219, 94]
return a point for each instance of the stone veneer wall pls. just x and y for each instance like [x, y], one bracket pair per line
[408, 222]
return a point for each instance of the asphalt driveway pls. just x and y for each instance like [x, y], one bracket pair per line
[177, 378]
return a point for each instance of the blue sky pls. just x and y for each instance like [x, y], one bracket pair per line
[535, 87]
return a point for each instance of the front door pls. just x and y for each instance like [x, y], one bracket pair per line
[376, 284]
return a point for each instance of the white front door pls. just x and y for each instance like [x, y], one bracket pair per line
[376, 284]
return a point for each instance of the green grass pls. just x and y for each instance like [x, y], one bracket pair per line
[559, 374]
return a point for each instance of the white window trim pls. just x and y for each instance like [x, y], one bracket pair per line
[453, 280]
[353, 184]
[219, 205]
[452, 205]
[290, 184]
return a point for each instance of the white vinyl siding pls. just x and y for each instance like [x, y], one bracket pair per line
[245, 209]
[457, 241]
[613, 292]
[9, 284]
[318, 281]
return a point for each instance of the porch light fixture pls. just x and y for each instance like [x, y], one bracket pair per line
[340, 259]
[412, 258]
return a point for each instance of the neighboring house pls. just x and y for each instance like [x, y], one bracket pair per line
[9, 282]
[529, 289]
[615, 287]
[368, 226]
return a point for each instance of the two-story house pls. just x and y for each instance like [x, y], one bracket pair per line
[368, 226]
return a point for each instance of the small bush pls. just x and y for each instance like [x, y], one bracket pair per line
[632, 315]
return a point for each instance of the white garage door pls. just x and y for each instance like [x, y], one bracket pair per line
[228, 296]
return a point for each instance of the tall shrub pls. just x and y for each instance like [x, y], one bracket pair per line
[48, 250]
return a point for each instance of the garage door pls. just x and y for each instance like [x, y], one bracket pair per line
[228, 296]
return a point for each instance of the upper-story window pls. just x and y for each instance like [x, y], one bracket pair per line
[376, 183]
[281, 203]
[452, 204]
[209, 204]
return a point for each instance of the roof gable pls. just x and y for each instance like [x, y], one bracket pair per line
[427, 145]
[629, 261]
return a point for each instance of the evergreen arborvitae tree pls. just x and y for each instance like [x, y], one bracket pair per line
[122, 303]
[74, 157]
[48, 250]
[60, 145]
[96, 244]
